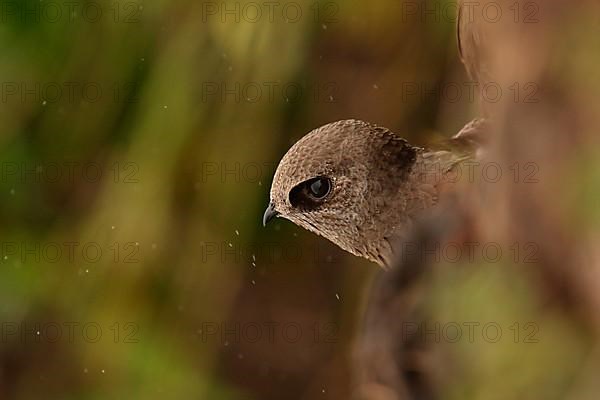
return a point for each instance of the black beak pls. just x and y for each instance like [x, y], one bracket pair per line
[270, 213]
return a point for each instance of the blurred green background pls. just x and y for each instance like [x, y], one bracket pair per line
[138, 141]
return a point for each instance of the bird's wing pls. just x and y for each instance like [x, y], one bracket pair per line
[473, 136]
[473, 33]
[469, 37]
[430, 176]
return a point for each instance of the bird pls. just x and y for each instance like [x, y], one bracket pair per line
[362, 186]
[368, 190]
[359, 185]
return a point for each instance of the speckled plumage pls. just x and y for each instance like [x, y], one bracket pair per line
[379, 184]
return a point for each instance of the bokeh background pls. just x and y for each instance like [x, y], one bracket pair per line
[137, 145]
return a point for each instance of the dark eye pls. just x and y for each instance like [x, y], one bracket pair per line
[319, 187]
[311, 193]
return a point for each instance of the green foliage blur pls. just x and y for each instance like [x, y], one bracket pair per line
[138, 142]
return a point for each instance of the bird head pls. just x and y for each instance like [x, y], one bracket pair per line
[344, 181]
